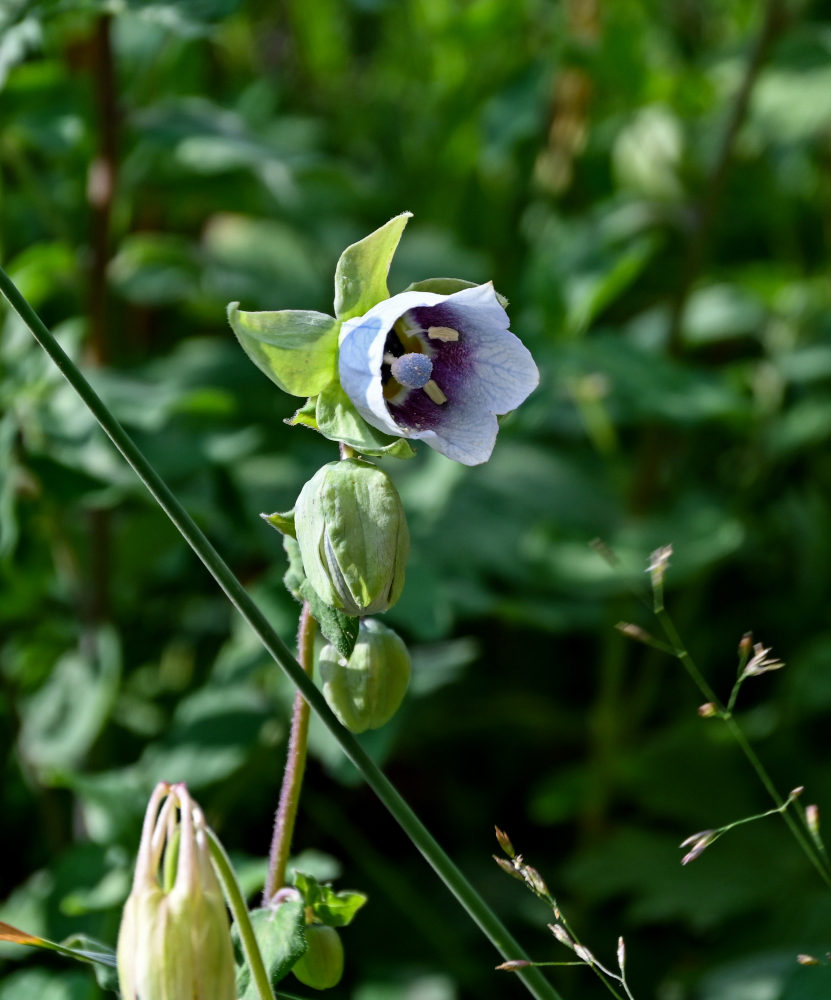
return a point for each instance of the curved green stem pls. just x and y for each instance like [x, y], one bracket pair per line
[236, 903]
[295, 766]
[473, 904]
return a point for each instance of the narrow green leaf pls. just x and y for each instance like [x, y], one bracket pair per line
[295, 348]
[281, 937]
[338, 420]
[361, 274]
[80, 947]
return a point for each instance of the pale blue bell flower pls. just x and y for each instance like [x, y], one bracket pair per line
[437, 368]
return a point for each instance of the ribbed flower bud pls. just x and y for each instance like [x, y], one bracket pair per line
[174, 942]
[353, 537]
[366, 690]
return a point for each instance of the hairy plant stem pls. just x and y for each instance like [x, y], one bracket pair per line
[680, 651]
[278, 856]
[470, 900]
[239, 911]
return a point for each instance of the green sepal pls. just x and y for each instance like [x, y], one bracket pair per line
[305, 415]
[335, 909]
[447, 286]
[282, 522]
[339, 629]
[296, 349]
[281, 937]
[361, 274]
[338, 420]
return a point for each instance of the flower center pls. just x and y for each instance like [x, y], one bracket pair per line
[412, 370]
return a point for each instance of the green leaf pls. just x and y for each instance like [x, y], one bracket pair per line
[361, 274]
[335, 909]
[339, 629]
[447, 286]
[64, 717]
[297, 349]
[338, 420]
[281, 936]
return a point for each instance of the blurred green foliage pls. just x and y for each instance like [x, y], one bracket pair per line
[158, 159]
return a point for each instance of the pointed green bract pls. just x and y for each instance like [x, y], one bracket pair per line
[361, 274]
[296, 349]
[282, 522]
[338, 420]
[305, 415]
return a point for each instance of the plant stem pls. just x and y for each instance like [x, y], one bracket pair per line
[236, 903]
[295, 766]
[470, 900]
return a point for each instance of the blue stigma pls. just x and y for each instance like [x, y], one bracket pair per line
[412, 370]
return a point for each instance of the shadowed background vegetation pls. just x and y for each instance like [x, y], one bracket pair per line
[649, 185]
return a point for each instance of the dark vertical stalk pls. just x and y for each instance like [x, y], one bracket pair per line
[773, 22]
[101, 183]
[655, 444]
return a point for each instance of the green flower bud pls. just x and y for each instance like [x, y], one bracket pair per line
[321, 966]
[353, 537]
[366, 690]
[174, 942]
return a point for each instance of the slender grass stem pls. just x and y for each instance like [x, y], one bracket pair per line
[470, 900]
[236, 903]
[295, 766]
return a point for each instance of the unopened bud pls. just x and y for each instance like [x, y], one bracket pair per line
[582, 952]
[508, 867]
[621, 954]
[561, 934]
[514, 964]
[812, 819]
[707, 710]
[635, 632]
[321, 965]
[535, 880]
[505, 842]
[807, 960]
[658, 563]
[174, 941]
[697, 843]
[353, 537]
[366, 690]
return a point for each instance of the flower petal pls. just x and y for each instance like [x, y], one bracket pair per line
[482, 370]
[362, 350]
